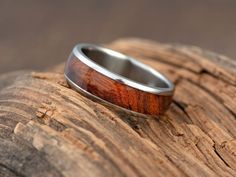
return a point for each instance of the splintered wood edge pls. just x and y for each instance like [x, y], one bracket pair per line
[50, 129]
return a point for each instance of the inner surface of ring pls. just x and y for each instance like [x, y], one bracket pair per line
[123, 66]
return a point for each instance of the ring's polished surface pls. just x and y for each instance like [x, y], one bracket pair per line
[118, 79]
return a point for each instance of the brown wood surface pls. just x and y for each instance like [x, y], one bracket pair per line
[47, 129]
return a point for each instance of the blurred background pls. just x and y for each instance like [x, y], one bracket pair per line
[39, 34]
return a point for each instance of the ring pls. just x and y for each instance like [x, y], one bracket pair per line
[117, 79]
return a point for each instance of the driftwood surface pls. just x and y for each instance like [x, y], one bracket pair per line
[47, 129]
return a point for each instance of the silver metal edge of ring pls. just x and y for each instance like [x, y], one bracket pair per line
[102, 101]
[77, 51]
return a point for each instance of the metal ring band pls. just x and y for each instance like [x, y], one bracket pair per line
[118, 79]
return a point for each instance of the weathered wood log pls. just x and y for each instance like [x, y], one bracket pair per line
[47, 129]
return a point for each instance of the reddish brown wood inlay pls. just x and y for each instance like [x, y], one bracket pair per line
[115, 92]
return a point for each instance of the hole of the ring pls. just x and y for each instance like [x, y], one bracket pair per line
[122, 66]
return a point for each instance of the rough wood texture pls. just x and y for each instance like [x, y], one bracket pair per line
[47, 129]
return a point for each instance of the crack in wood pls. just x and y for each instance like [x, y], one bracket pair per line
[13, 171]
[220, 157]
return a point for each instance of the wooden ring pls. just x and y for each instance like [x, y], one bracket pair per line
[118, 79]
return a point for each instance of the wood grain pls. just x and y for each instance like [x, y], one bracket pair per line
[115, 92]
[47, 129]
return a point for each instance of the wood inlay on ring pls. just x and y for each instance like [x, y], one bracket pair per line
[114, 91]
